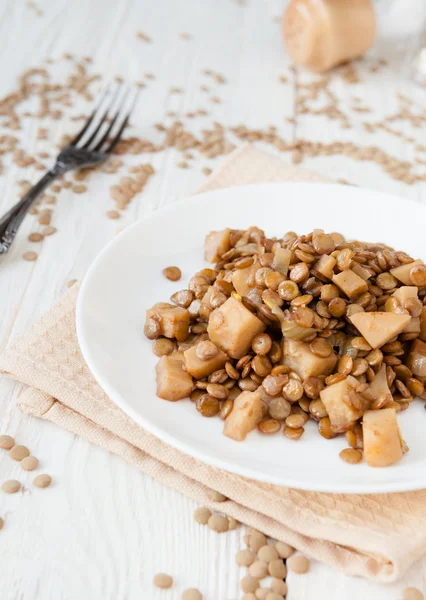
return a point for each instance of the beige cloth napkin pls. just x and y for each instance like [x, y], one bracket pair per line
[377, 536]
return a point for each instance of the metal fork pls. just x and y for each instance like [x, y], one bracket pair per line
[89, 147]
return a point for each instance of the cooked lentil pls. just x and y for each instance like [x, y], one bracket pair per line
[172, 273]
[351, 456]
[163, 347]
[311, 291]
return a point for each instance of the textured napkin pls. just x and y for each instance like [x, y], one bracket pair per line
[376, 536]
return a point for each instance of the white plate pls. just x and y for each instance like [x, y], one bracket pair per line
[126, 279]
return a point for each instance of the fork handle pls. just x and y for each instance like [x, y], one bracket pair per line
[11, 221]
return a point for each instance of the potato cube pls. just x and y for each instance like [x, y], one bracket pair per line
[232, 327]
[173, 383]
[341, 414]
[422, 335]
[405, 292]
[202, 368]
[403, 272]
[413, 326]
[174, 321]
[282, 260]
[242, 279]
[244, 417]
[350, 283]
[416, 359]
[382, 438]
[361, 271]
[379, 386]
[325, 266]
[379, 327]
[298, 356]
[216, 244]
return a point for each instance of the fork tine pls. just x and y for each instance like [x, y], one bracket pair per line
[113, 121]
[86, 126]
[104, 116]
[123, 126]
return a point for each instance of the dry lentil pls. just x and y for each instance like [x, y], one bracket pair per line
[256, 541]
[277, 568]
[6, 442]
[249, 584]
[412, 594]
[192, 594]
[35, 237]
[218, 523]
[11, 486]
[202, 515]
[267, 553]
[245, 558]
[49, 230]
[19, 452]
[30, 255]
[42, 481]
[284, 550]
[215, 496]
[163, 581]
[274, 596]
[259, 569]
[29, 463]
[298, 564]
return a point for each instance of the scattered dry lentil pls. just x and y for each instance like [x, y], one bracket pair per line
[42, 481]
[29, 463]
[267, 553]
[11, 486]
[249, 584]
[218, 523]
[35, 237]
[298, 564]
[163, 581]
[192, 594]
[412, 594]
[19, 452]
[284, 550]
[30, 255]
[6, 442]
[49, 230]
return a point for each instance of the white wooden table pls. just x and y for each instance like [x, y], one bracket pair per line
[103, 530]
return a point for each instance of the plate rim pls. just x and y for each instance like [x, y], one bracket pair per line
[187, 449]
